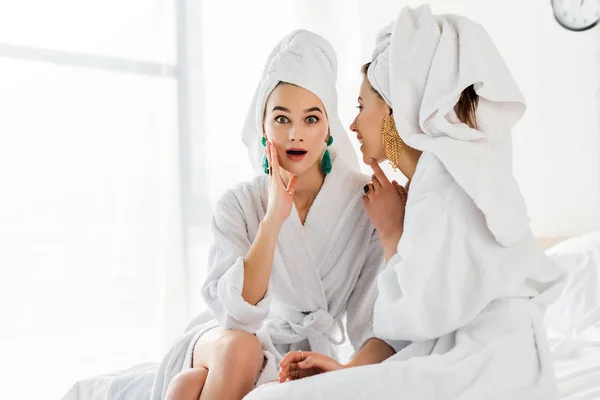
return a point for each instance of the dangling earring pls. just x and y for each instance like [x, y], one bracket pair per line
[326, 161]
[391, 140]
[265, 160]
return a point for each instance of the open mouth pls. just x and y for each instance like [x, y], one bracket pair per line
[296, 152]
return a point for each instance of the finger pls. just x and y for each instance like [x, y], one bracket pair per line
[383, 180]
[375, 181]
[399, 187]
[305, 372]
[269, 158]
[283, 374]
[318, 362]
[299, 374]
[274, 158]
[287, 371]
[293, 356]
[371, 189]
[309, 362]
[291, 186]
[291, 375]
[285, 360]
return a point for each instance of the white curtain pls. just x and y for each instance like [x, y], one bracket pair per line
[89, 188]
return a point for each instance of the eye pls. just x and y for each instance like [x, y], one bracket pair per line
[359, 107]
[281, 119]
[312, 119]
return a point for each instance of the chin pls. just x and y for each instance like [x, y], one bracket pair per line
[366, 157]
[296, 168]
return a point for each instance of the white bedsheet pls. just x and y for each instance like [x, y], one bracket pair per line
[577, 367]
[576, 362]
[133, 383]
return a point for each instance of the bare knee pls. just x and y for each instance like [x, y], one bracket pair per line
[243, 347]
[238, 351]
[187, 384]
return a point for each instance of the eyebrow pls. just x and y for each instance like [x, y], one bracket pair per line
[279, 108]
[360, 98]
[313, 109]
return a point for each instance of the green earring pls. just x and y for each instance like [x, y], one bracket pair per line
[265, 161]
[326, 161]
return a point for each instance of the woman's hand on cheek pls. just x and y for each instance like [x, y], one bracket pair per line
[281, 196]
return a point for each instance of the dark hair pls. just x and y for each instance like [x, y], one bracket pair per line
[466, 108]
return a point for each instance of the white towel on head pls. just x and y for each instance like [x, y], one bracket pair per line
[421, 65]
[305, 59]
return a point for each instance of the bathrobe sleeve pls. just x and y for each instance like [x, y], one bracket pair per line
[222, 290]
[359, 314]
[448, 268]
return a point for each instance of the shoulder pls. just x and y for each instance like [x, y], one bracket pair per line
[433, 184]
[242, 195]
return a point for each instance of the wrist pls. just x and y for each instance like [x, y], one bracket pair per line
[390, 238]
[390, 246]
[270, 224]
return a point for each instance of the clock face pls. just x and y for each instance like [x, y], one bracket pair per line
[577, 15]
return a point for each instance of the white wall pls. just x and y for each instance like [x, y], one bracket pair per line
[557, 143]
[559, 173]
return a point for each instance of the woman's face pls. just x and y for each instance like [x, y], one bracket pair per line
[295, 121]
[368, 123]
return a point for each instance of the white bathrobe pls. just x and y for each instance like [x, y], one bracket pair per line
[464, 296]
[322, 271]
[464, 312]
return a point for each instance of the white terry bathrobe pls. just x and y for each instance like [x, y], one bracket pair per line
[323, 270]
[463, 298]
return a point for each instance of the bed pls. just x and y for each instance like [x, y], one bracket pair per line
[573, 328]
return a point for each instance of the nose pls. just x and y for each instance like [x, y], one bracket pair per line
[353, 125]
[294, 136]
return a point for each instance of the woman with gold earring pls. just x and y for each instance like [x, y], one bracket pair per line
[463, 292]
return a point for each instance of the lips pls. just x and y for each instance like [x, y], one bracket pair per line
[296, 153]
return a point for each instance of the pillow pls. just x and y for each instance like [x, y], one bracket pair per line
[576, 313]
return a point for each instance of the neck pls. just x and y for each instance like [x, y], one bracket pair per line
[308, 184]
[408, 162]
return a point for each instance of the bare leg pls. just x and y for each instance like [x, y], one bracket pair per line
[187, 385]
[233, 360]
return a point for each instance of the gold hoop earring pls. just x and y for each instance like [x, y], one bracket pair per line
[391, 140]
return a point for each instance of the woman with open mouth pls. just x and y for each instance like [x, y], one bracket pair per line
[293, 250]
